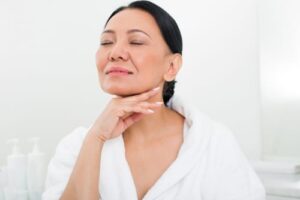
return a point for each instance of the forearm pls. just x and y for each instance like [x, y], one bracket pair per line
[84, 181]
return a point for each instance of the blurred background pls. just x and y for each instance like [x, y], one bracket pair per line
[241, 67]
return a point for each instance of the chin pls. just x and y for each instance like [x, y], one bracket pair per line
[120, 91]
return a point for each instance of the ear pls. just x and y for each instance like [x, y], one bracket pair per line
[174, 66]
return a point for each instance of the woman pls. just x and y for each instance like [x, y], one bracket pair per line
[147, 143]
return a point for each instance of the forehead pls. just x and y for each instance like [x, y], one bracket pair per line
[133, 19]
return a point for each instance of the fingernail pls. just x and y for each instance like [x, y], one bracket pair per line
[159, 102]
[151, 111]
[157, 88]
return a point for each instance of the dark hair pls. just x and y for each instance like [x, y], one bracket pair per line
[169, 30]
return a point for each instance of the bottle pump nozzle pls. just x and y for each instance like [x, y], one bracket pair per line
[35, 141]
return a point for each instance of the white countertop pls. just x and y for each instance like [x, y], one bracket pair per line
[281, 184]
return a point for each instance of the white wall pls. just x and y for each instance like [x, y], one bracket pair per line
[48, 80]
[279, 30]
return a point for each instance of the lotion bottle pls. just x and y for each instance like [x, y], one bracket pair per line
[16, 170]
[36, 171]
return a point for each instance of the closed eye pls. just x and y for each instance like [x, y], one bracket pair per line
[133, 43]
[137, 43]
[105, 43]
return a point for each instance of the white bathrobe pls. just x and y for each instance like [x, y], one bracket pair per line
[210, 165]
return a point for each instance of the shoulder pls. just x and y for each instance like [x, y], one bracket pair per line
[232, 168]
[224, 146]
[62, 162]
[72, 141]
[221, 136]
[224, 135]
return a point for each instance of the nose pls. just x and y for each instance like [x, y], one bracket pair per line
[118, 52]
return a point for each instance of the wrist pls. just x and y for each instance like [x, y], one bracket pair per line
[97, 137]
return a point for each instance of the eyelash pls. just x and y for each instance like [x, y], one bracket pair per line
[133, 43]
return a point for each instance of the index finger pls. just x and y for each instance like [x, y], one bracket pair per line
[143, 96]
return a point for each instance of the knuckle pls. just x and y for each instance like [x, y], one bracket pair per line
[120, 112]
[146, 95]
[144, 104]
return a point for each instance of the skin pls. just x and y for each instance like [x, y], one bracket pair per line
[133, 40]
[152, 63]
[152, 132]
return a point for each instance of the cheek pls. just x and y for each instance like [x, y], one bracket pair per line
[100, 60]
[150, 64]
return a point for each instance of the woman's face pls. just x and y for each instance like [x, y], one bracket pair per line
[132, 42]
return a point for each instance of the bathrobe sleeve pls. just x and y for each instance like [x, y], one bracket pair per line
[236, 179]
[61, 164]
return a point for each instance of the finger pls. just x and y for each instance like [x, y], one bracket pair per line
[129, 110]
[150, 105]
[144, 107]
[143, 96]
[132, 119]
[138, 109]
[145, 104]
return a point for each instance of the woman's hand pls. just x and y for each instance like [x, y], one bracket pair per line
[120, 113]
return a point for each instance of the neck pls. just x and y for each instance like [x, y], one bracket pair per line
[163, 122]
[150, 126]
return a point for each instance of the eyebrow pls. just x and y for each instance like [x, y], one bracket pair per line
[128, 32]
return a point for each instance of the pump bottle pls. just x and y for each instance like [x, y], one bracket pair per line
[36, 171]
[16, 173]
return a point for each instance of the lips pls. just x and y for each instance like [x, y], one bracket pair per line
[118, 70]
